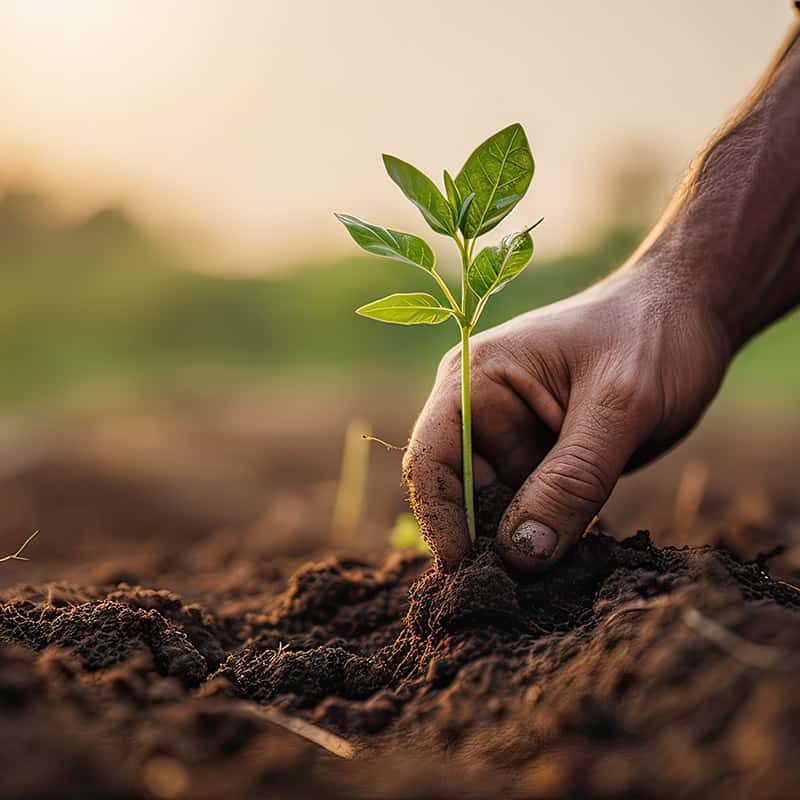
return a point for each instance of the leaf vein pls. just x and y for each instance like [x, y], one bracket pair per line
[499, 175]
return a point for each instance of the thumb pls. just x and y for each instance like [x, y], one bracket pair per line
[559, 499]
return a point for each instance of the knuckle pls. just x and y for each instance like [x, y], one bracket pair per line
[617, 396]
[627, 402]
[450, 364]
[485, 350]
[483, 382]
[575, 479]
[629, 388]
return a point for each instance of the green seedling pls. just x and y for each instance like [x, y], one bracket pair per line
[406, 535]
[491, 182]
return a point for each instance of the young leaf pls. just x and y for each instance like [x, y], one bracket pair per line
[406, 534]
[392, 244]
[416, 308]
[494, 267]
[462, 215]
[452, 193]
[423, 193]
[499, 172]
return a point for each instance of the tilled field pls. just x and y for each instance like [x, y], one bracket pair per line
[144, 641]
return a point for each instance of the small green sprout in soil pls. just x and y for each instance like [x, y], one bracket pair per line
[406, 535]
[491, 182]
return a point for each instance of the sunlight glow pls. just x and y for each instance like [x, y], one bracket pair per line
[252, 121]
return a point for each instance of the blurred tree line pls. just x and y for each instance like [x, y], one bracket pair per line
[95, 303]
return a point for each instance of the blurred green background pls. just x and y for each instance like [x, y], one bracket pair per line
[167, 183]
[97, 307]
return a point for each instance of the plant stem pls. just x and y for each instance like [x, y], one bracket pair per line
[467, 297]
[466, 400]
[445, 290]
[466, 433]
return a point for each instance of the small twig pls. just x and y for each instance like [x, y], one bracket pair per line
[787, 584]
[592, 526]
[387, 445]
[691, 491]
[327, 741]
[637, 605]
[18, 555]
[745, 652]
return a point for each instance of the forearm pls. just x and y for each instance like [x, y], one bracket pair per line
[731, 239]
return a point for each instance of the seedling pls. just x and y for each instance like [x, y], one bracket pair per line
[491, 182]
[406, 535]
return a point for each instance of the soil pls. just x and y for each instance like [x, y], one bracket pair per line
[630, 670]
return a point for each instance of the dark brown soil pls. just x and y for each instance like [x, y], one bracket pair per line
[628, 671]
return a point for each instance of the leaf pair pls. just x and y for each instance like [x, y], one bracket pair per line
[418, 308]
[492, 181]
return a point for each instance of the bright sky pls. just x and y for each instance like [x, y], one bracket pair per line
[252, 120]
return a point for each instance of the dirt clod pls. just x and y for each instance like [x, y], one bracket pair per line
[586, 681]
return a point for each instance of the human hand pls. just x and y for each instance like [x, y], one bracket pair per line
[564, 399]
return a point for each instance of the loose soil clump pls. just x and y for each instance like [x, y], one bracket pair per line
[627, 671]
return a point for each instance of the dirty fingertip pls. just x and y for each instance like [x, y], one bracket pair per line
[529, 547]
[449, 550]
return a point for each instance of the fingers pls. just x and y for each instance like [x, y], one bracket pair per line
[514, 452]
[432, 476]
[559, 499]
[508, 429]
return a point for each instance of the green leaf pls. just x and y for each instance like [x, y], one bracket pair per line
[453, 196]
[392, 244]
[494, 267]
[406, 534]
[462, 215]
[499, 171]
[423, 193]
[415, 308]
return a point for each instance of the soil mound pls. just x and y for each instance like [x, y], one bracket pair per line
[627, 671]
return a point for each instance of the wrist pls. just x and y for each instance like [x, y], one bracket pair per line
[675, 283]
[729, 246]
[741, 282]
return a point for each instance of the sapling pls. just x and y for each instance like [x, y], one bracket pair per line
[492, 181]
